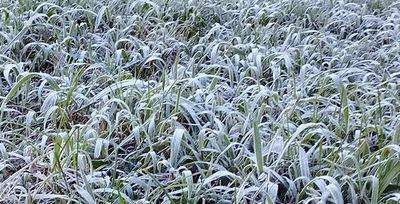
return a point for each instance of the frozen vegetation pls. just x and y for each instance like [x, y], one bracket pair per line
[214, 101]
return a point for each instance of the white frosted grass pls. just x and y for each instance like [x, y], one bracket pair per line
[199, 102]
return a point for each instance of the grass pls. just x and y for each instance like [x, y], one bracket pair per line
[130, 101]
